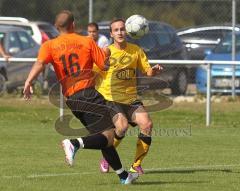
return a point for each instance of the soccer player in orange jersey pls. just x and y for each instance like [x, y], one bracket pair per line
[72, 57]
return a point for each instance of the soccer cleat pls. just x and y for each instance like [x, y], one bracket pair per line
[132, 177]
[137, 169]
[69, 150]
[104, 166]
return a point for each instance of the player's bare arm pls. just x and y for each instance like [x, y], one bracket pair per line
[108, 54]
[35, 71]
[3, 53]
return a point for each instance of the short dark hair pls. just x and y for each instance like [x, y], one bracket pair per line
[64, 19]
[114, 21]
[93, 24]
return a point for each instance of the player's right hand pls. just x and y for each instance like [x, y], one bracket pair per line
[6, 56]
[27, 91]
[108, 54]
[107, 51]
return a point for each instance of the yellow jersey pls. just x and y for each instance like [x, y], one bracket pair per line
[119, 82]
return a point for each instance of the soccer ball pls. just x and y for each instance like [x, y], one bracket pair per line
[136, 26]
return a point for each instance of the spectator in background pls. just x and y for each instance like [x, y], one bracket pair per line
[93, 31]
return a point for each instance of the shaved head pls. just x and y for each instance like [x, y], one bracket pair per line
[64, 20]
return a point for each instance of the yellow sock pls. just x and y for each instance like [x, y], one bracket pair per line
[116, 142]
[141, 152]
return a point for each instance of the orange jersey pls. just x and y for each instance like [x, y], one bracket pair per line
[72, 57]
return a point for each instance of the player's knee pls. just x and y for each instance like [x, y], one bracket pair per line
[121, 126]
[124, 126]
[146, 127]
[121, 131]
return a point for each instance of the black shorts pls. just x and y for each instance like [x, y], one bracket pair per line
[126, 109]
[89, 106]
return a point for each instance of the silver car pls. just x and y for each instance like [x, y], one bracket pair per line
[18, 43]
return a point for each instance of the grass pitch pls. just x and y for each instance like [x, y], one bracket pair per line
[185, 155]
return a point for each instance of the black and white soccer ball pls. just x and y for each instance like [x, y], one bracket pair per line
[136, 26]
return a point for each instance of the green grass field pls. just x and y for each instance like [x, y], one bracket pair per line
[185, 155]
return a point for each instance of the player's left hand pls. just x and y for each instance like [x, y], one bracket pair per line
[157, 68]
[27, 91]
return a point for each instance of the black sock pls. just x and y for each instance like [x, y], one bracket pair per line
[98, 141]
[145, 138]
[111, 156]
[123, 175]
[75, 143]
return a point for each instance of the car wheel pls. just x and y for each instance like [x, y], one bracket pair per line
[2, 84]
[12, 90]
[179, 86]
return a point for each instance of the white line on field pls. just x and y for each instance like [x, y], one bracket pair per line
[49, 175]
[59, 174]
[199, 167]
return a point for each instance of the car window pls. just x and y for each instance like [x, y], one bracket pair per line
[27, 29]
[13, 41]
[147, 42]
[2, 35]
[162, 37]
[171, 32]
[160, 33]
[50, 30]
[155, 27]
[25, 40]
[225, 46]
[205, 34]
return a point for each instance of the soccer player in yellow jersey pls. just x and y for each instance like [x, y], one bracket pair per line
[118, 85]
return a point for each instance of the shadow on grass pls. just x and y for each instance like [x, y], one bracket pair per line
[182, 171]
[169, 182]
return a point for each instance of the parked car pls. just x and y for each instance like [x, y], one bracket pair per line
[198, 39]
[20, 19]
[163, 43]
[46, 27]
[18, 43]
[39, 30]
[221, 74]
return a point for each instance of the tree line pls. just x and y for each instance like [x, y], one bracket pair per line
[179, 13]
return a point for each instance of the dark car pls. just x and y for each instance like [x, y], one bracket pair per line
[161, 43]
[48, 28]
[198, 39]
[18, 43]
